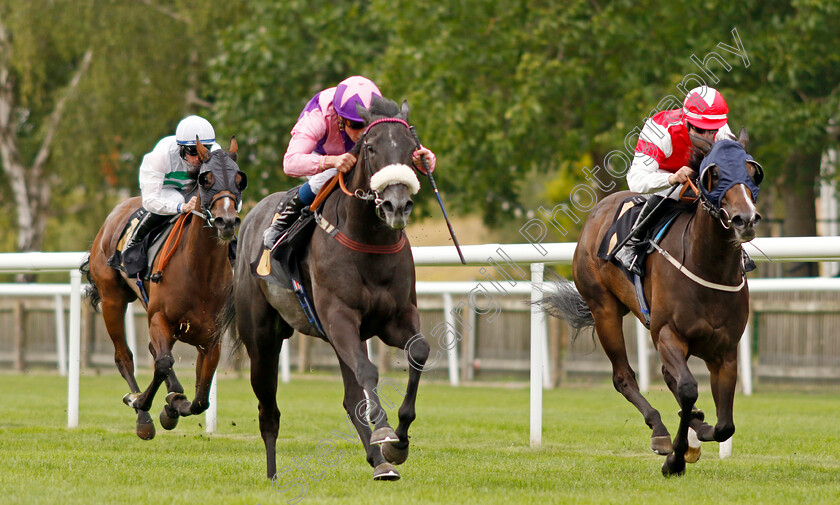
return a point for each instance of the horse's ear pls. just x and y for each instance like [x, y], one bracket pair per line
[743, 138]
[203, 153]
[362, 112]
[234, 147]
[404, 111]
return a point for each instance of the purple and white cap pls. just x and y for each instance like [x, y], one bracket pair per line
[351, 91]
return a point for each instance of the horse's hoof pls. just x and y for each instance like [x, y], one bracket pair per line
[169, 418]
[383, 435]
[661, 445]
[174, 396]
[692, 455]
[693, 452]
[386, 471]
[394, 455]
[673, 467]
[145, 425]
[130, 399]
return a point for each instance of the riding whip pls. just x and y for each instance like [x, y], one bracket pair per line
[437, 194]
[644, 221]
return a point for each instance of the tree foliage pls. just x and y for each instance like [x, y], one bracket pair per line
[503, 92]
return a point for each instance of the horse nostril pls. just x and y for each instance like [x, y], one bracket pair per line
[387, 206]
[408, 206]
[738, 221]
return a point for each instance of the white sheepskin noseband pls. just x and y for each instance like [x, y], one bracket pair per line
[395, 174]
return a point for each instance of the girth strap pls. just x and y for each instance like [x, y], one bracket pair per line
[349, 243]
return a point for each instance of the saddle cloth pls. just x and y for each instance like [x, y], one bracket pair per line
[625, 218]
[140, 258]
[282, 266]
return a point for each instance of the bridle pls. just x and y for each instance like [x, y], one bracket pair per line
[365, 196]
[369, 194]
[206, 213]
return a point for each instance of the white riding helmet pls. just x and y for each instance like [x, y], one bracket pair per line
[192, 126]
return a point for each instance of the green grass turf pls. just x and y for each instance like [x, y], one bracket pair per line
[469, 445]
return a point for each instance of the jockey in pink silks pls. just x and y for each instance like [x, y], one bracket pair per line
[325, 132]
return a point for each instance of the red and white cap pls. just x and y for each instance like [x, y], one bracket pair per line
[705, 108]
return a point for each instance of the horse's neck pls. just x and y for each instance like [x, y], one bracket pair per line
[712, 249]
[357, 218]
[204, 246]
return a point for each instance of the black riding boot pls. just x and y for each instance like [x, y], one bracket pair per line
[283, 219]
[147, 223]
[629, 254]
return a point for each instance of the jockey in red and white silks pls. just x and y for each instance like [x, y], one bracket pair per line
[664, 146]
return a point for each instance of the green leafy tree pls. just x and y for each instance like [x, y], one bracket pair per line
[272, 62]
[83, 97]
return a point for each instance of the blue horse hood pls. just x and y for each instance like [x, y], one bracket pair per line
[730, 158]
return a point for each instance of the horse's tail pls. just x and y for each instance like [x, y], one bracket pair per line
[91, 292]
[225, 319]
[562, 300]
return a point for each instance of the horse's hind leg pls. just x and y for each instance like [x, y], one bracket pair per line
[263, 333]
[113, 312]
[608, 327]
[674, 353]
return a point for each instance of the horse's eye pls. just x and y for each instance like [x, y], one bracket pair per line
[755, 172]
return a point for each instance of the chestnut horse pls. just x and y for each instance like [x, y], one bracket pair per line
[698, 295]
[359, 271]
[183, 305]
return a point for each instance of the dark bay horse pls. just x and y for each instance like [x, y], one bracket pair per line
[184, 305]
[697, 291]
[359, 272]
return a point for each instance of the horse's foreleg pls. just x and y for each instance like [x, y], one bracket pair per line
[357, 404]
[611, 335]
[724, 376]
[352, 352]
[161, 342]
[417, 351]
[674, 353]
[205, 369]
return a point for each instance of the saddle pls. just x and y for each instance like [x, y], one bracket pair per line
[282, 265]
[138, 260]
[625, 218]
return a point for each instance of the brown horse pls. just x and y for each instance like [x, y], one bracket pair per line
[359, 271]
[184, 304]
[698, 295]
